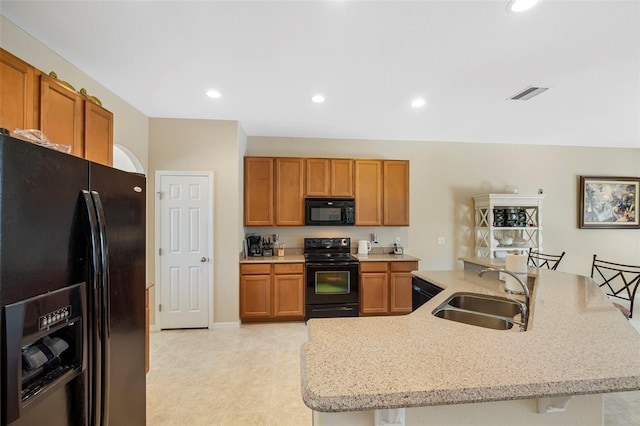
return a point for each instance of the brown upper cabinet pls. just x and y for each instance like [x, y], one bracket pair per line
[368, 192]
[98, 133]
[329, 177]
[30, 99]
[289, 191]
[273, 191]
[61, 114]
[258, 191]
[395, 193]
[382, 192]
[16, 93]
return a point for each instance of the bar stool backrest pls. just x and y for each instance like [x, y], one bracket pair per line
[541, 260]
[616, 280]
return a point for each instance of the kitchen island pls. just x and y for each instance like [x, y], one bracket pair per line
[577, 345]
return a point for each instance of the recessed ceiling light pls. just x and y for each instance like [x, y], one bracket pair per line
[213, 94]
[419, 102]
[521, 5]
[317, 99]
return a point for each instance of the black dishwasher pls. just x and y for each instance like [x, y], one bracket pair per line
[422, 292]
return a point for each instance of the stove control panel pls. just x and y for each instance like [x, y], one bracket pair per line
[327, 243]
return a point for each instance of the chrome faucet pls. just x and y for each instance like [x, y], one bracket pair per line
[524, 306]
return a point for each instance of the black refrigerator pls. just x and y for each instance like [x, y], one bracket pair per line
[72, 290]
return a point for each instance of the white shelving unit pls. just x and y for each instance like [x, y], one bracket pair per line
[528, 211]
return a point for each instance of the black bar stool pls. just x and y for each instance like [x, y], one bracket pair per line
[540, 260]
[617, 280]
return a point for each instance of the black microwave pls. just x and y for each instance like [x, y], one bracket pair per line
[329, 211]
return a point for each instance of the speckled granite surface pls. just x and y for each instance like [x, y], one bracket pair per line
[486, 262]
[386, 258]
[296, 258]
[300, 258]
[577, 343]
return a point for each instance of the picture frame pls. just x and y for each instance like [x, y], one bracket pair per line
[609, 202]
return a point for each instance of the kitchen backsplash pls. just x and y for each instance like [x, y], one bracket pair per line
[293, 237]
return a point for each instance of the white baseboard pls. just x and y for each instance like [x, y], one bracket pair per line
[235, 324]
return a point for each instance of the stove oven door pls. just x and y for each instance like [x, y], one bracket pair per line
[332, 289]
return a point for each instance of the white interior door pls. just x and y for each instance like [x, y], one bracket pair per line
[185, 210]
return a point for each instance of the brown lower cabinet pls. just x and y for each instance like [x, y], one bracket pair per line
[146, 329]
[385, 287]
[271, 291]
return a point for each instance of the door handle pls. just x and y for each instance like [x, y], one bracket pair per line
[204, 259]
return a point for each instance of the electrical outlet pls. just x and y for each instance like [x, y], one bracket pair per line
[440, 240]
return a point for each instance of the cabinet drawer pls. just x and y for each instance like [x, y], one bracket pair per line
[289, 268]
[257, 269]
[404, 266]
[373, 266]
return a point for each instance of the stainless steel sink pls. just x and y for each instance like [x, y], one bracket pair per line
[472, 318]
[485, 304]
[481, 310]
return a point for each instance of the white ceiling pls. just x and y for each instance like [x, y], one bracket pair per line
[370, 59]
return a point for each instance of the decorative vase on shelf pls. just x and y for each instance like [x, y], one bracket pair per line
[511, 189]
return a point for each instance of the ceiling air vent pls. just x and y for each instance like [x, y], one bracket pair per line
[528, 93]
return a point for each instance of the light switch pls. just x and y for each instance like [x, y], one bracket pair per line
[440, 240]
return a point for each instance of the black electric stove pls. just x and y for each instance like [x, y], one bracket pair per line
[332, 278]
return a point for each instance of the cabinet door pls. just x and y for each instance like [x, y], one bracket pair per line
[396, 193]
[98, 134]
[289, 191]
[146, 330]
[400, 290]
[318, 177]
[258, 191]
[373, 293]
[288, 296]
[16, 93]
[342, 178]
[368, 192]
[61, 114]
[255, 296]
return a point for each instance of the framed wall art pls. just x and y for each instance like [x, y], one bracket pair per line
[609, 202]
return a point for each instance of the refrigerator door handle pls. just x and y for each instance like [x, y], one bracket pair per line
[95, 339]
[104, 307]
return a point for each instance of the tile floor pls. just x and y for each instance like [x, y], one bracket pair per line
[251, 376]
[240, 376]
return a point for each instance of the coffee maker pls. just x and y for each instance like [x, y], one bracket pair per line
[254, 245]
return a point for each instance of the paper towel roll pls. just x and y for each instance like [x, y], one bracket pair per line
[516, 263]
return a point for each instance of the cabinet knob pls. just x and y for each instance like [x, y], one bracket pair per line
[204, 259]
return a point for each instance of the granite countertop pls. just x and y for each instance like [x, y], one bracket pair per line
[577, 342]
[386, 258]
[296, 258]
[495, 263]
[300, 258]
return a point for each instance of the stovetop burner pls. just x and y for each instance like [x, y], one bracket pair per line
[328, 250]
[329, 257]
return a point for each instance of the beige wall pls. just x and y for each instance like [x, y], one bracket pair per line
[445, 176]
[130, 126]
[242, 151]
[205, 145]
